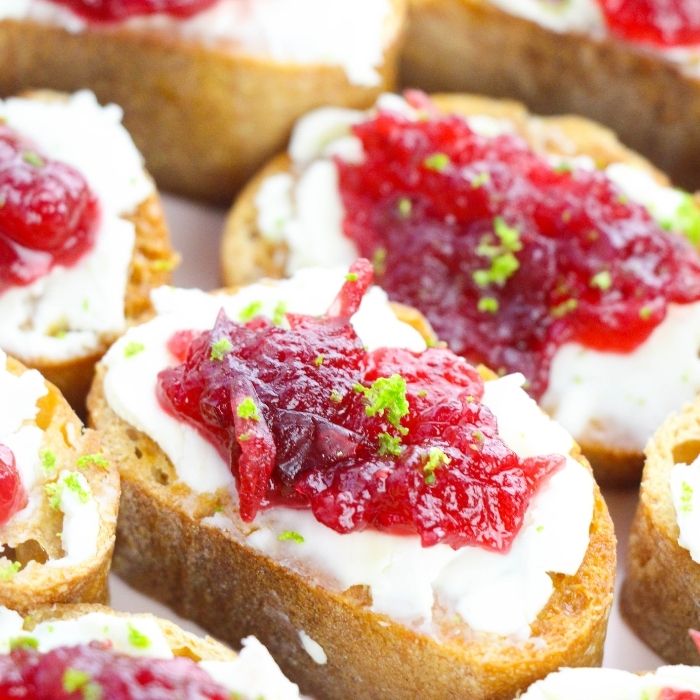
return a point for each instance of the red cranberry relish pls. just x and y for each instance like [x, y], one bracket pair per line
[665, 23]
[48, 215]
[12, 495]
[118, 10]
[388, 439]
[508, 256]
[95, 672]
[671, 694]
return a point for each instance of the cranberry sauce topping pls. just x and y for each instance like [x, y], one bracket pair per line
[95, 672]
[507, 256]
[48, 215]
[118, 10]
[665, 23]
[387, 439]
[12, 495]
[671, 694]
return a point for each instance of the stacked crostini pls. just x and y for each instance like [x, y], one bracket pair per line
[82, 235]
[59, 497]
[634, 65]
[90, 651]
[531, 244]
[296, 464]
[210, 88]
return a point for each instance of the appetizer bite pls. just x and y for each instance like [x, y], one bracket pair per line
[634, 65]
[210, 88]
[388, 520]
[59, 496]
[92, 652]
[82, 235]
[661, 593]
[533, 245]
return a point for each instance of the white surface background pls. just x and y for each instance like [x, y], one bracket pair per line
[196, 232]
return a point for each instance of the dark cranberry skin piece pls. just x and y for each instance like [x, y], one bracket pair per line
[48, 214]
[665, 23]
[12, 495]
[119, 10]
[592, 265]
[307, 439]
[26, 673]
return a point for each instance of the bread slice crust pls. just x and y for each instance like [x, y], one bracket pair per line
[181, 643]
[246, 254]
[661, 592]
[152, 262]
[36, 584]
[211, 576]
[204, 117]
[472, 45]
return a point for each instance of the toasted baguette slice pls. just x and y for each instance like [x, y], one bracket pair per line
[246, 254]
[211, 575]
[661, 593]
[206, 116]
[152, 262]
[250, 675]
[34, 542]
[474, 46]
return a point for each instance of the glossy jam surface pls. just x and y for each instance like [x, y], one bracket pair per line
[12, 495]
[94, 672]
[118, 10]
[665, 23]
[671, 694]
[508, 256]
[48, 214]
[387, 439]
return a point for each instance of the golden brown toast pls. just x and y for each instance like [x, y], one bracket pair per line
[213, 577]
[204, 117]
[473, 46]
[661, 593]
[152, 263]
[37, 540]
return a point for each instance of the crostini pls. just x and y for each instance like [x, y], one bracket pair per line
[661, 592]
[538, 245]
[310, 473]
[210, 88]
[59, 497]
[633, 65]
[666, 683]
[93, 652]
[82, 235]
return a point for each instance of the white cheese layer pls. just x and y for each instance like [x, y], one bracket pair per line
[685, 494]
[66, 313]
[352, 34]
[501, 593]
[252, 674]
[615, 399]
[81, 519]
[19, 431]
[611, 684]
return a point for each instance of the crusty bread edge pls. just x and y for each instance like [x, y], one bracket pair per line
[474, 46]
[181, 642]
[220, 113]
[211, 576]
[661, 592]
[87, 581]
